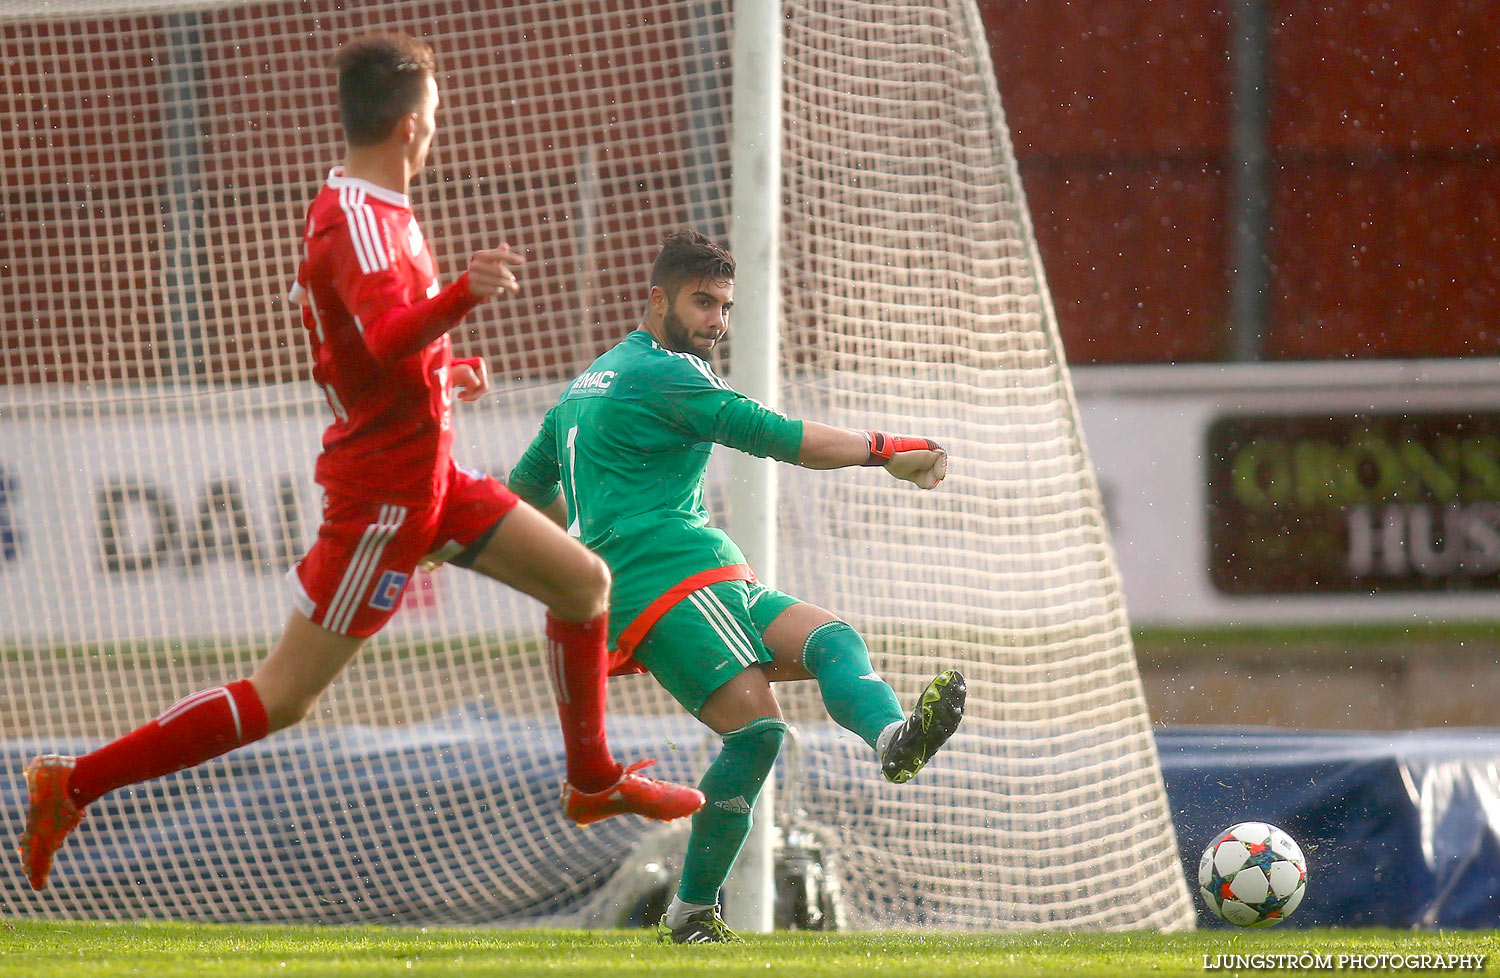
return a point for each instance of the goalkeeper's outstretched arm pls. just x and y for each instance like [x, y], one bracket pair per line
[743, 423]
[916, 460]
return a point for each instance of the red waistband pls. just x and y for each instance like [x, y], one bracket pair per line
[638, 628]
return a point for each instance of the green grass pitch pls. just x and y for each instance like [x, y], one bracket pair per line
[37, 949]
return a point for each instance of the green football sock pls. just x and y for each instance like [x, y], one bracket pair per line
[855, 696]
[731, 785]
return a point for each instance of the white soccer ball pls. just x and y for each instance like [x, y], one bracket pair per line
[1252, 875]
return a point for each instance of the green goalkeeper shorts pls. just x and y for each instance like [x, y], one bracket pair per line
[709, 637]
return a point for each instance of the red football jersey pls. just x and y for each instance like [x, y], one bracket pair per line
[392, 430]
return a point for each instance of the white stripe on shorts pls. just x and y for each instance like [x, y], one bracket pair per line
[347, 581]
[724, 624]
[300, 598]
[362, 567]
[734, 623]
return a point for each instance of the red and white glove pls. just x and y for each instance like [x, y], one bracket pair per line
[920, 461]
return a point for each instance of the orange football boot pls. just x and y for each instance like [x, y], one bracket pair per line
[632, 795]
[51, 817]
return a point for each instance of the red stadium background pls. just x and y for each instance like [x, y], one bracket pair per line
[1384, 178]
[90, 161]
[1384, 150]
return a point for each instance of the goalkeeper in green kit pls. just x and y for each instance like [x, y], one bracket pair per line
[620, 462]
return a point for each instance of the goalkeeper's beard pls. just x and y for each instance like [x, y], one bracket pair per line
[678, 337]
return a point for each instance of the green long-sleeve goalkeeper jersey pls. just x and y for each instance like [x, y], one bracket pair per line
[628, 445]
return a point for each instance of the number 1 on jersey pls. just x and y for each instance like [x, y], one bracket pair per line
[570, 484]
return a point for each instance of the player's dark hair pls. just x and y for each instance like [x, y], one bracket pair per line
[687, 256]
[382, 77]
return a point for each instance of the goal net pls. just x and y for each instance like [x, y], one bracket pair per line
[158, 427]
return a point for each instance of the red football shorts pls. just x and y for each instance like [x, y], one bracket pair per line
[352, 579]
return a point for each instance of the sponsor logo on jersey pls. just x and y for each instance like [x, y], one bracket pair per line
[387, 590]
[414, 238]
[593, 380]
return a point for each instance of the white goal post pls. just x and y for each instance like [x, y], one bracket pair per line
[158, 428]
[755, 237]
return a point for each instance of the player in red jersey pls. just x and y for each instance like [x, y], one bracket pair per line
[378, 324]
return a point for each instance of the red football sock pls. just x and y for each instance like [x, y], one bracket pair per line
[577, 661]
[196, 728]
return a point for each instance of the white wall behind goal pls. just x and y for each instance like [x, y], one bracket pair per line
[164, 520]
[194, 509]
[204, 537]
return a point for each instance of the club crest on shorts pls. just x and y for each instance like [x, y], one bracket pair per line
[387, 590]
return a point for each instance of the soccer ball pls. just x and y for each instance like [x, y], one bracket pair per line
[1252, 875]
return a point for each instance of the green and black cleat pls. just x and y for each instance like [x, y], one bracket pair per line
[936, 716]
[703, 927]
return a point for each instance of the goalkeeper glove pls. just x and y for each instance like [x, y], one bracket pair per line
[920, 461]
